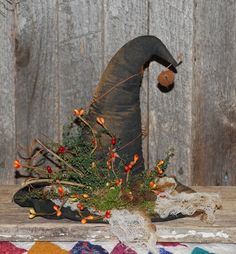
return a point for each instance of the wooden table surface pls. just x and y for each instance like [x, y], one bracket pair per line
[15, 225]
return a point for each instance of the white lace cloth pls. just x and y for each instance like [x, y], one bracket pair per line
[134, 229]
[188, 204]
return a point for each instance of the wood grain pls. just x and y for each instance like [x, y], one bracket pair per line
[170, 113]
[214, 90]
[15, 225]
[7, 102]
[36, 94]
[80, 53]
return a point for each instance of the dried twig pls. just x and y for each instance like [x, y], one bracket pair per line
[32, 181]
[93, 132]
[60, 159]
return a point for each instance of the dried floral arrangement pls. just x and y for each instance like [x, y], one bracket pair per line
[99, 167]
[95, 186]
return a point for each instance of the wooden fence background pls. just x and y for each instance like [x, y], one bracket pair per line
[52, 53]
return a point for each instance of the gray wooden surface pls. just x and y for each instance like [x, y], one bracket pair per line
[214, 93]
[7, 96]
[62, 47]
[170, 113]
[37, 94]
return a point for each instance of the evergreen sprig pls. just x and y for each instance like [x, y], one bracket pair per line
[74, 171]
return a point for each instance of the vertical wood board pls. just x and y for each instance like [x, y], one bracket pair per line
[214, 101]
[7, 103]
[170, 113]
[37, 69]
[80, 53]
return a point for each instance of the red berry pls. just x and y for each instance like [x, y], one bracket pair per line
[49, 169]
[130, 166]
[151, 184]
[127, 169]
[60, 189]
[108, 214]
[80, 206]
[113, 141]
[61, 149]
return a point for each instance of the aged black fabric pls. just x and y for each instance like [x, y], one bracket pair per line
[120, 83]
[44, 208]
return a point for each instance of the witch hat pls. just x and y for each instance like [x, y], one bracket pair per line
[117, 97]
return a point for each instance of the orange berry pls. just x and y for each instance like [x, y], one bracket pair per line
[83, 221]
[161, 162]
[160, 172]
[59, 213]
[78, 112]
[136, 158]
[61, 191]
[17, 164]
[85, 195]
[118, 182]
[151, 184]
[100, 120]
[90, 217]
[55, 207]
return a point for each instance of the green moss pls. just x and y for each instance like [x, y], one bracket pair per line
[96, 175]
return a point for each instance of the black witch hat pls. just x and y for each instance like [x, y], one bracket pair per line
[117, 96]
[116, 100]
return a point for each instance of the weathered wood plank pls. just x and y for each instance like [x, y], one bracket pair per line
[80, 53]
[170, 113]
[63, 46]
[7, 102]
[15, 226]
[123, 21]
[214, 90]
[36, 94]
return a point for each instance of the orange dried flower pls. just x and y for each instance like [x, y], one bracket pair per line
[58, 210]
[100, 120]
[90, 217]
[17, 164]
[161, 162]
[152, 185]
[109, 164]
[84, 221]
[85, 195]
[79, 112]
[160, 172]
[136, 157]
[118, 182]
